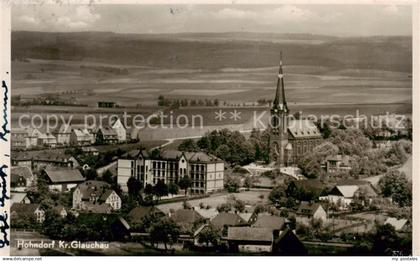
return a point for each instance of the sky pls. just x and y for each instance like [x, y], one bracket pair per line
[336, 20]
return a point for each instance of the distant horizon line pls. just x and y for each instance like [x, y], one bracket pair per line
[224, 32]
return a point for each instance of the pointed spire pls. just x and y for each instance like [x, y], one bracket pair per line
[280, 94]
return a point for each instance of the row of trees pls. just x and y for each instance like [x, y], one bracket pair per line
[176, 103]
[160, 189]
[231, 146]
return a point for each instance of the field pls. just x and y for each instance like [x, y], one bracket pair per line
[323, 75]
[251, 198]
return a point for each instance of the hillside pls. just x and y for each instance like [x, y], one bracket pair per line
[215, 51]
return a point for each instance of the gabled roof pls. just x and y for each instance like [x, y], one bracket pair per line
[108, 131]
[342, 158]
[99, 189]
[171, 154]
[271, 222]
[398, 224]
[364, 186]
[207, 213]
[64, 175]
[347, 191]
[250, 234]
[227, 219]
[303, 129]
[22, 171]
[201, 157]
[245, 216]
[24, 209]
[64, 129]
[137, 213]
[43, 155]
[97, 208]
[17, 197]
[185, 216]
[117, 122]
[307, 208]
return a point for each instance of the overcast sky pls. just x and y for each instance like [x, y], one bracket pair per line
[341, 20]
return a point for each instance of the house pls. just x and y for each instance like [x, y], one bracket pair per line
[337, 164]
[310, 211]
[398, 224]
[224, 219]
[19, 138]
[120, 129]
[341, 195]
[288, 244]
[275, 223]
[207, 213]
[250, 239]
[81, 137]
[37, 160]
[27, 211]
[137, 214]
[206, 171]
[21, 178]
[63, 179]
[24, 138]
[47, 140]
[33, 134]
[93, 192]
[19, 197]
[186, 219]
[63, 133]
[196, 235]
[105, 135]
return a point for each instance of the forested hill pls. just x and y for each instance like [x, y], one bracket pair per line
[217, 50]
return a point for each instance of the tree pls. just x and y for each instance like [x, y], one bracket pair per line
[259, 209]
[90, 174]
[385, 240]
[185, 183]
[395, 185]
[209, 235]
[232, 184]
[224, 207]
[164, 231]
[134, 187]
[108, 177]
[311, 162]
[160, 189]
[277, 193]
[173, 188]
[239, 205]
[249, 182]
[188, 145]
[148, 190]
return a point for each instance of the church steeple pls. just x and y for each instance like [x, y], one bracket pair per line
[280, 99]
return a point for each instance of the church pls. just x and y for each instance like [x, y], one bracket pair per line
[289, 138]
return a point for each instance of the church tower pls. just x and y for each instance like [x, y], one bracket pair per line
[279, 122]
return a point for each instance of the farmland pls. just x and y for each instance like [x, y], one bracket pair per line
[323, 75]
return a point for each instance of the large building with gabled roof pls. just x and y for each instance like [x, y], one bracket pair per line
[206, 171]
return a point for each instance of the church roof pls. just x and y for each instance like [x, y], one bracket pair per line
[303, 129]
